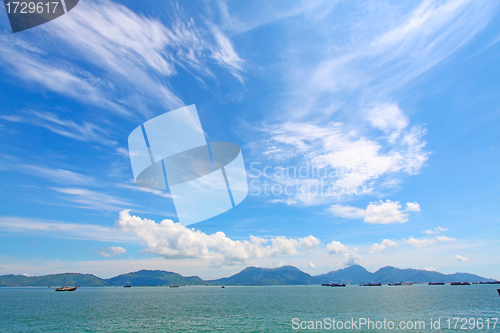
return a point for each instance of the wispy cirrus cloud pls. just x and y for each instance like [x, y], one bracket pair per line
[362, 164]
[260, 13]
[57, 229]
[89, 199]
[128, 58]
[436, 230]
[83, 131]
[225, 55]
[55, 175]
[141, 50]
[341, 104]
[146, 190]
[385, 57]
[60, 176]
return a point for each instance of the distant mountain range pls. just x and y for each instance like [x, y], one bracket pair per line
[250, 276]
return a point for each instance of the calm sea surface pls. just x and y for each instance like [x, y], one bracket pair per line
[246, 309]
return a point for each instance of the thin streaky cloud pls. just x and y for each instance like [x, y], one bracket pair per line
[135, 60]
[225, 55]
[83, 131]
[57, 229]
[31, 67]
[89, 199]
[60, 176]
[159, 193]
[141, 50]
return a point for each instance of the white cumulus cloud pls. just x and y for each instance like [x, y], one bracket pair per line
[436, 230]
[336, 247]
[175, 241]
[460, 258]
[377, 213]
[412, 207]
[389, 118]
[383, 246]
[111, 251]
[351, 256]
[423, 242]
[445, 239]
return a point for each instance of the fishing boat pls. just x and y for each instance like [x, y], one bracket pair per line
[371, 284]
[128, 286]
[66, 288]
[460, 284]
[394, 284]
[333, 285]
[406, 284]
[436, 283]
[174, 286]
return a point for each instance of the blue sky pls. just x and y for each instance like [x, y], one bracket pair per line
[396, 103]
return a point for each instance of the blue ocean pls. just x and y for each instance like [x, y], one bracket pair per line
[420, 308]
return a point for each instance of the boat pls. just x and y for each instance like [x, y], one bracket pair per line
[223, 286]
[436, 283]
[128, 286]
[406, 284]
[394, 284]
[66, 288]
[460, 284]
[371, 284]
[488, 282]
[333, 285]
[174, 286]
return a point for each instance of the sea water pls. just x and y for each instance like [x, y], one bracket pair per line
[251, 309]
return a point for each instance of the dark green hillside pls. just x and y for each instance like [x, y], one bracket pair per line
[66, 279]
[154, 278]
[254, 276]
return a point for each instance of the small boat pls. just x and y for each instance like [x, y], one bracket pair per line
[174, 286]
[128, 286]
[333, 285]
[498, 292]
[223, 286]
[394, 284]
[436, 283]
[66, 288]
[371, 284]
